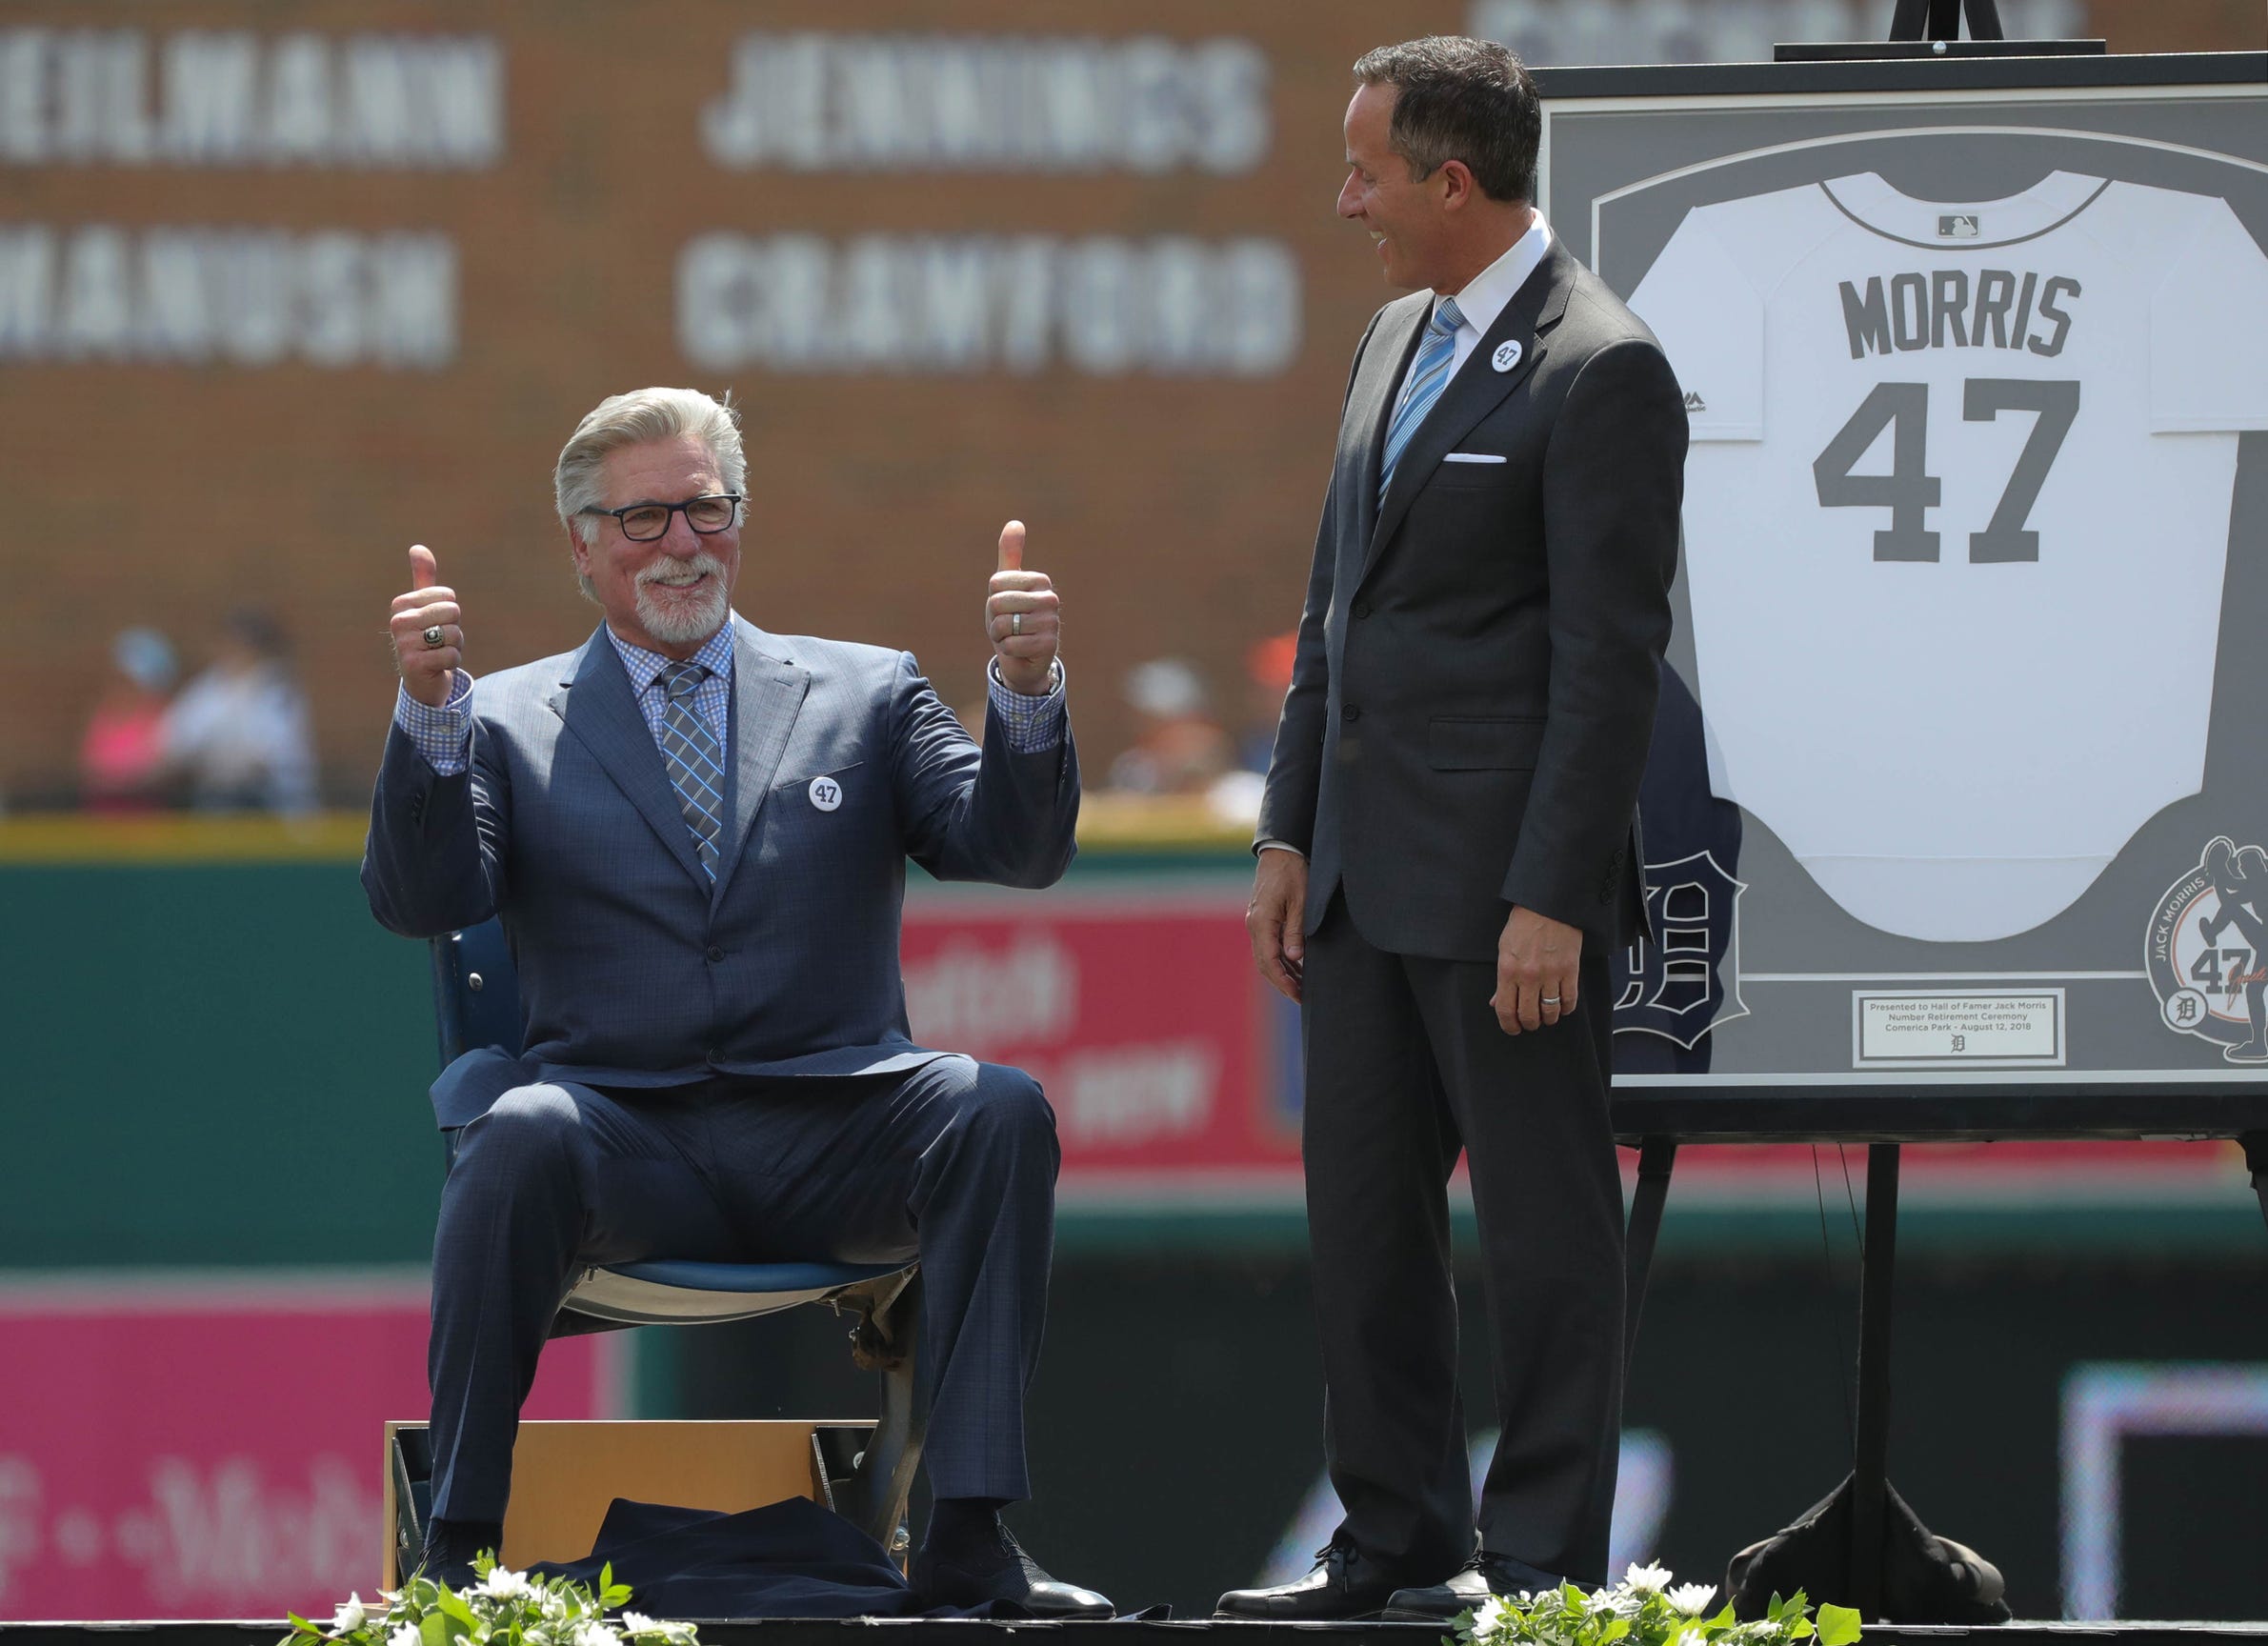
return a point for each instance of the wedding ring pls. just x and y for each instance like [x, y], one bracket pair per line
[433, 637]
[1015, 623]
[1550, 999]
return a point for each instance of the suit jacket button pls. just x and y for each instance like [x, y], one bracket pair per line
[1351, 714]
[714, 954]
[717, 1054]
[1361, 610]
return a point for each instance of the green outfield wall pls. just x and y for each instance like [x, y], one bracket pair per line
[218, 1059]
[213, 1063]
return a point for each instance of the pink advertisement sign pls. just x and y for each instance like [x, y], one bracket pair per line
[209, 1447]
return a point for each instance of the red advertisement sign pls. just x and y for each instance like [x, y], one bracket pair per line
[1175, 1072]
[175, 1447]
[1142, 1017]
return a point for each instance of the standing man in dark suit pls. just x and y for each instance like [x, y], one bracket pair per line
[1447, 848]
[697, 834]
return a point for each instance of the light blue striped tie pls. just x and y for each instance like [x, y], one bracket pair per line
[696, 768]
[1429, 375]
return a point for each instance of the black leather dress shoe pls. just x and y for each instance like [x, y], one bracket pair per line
[1469, 1590]
[451, 1547]
[974, 1573]
[1343, 1585]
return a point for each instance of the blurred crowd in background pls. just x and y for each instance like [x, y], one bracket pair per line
[1189, 741]
[237, 736]
[234, 738]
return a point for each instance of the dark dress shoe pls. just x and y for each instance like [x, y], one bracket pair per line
[1469, 1590]
[995, 1568]
[1343, 1585]
[451, 1547]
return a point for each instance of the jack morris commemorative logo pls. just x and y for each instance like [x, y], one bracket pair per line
[2207, 952]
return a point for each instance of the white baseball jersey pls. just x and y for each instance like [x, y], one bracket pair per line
[1956, 517]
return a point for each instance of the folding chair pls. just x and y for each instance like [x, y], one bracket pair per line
[476, 1002]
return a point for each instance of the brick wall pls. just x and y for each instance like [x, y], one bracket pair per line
[1175, 511]
[2181, 25]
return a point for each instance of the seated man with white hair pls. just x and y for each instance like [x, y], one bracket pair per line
[695, 832]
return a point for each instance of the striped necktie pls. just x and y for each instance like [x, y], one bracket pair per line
[1429, 375]
[696, 767]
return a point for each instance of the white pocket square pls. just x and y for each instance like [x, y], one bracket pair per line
[1473, 457]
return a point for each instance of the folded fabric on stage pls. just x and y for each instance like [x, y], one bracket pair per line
[795, 1559]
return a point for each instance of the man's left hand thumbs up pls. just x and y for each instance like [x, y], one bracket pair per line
[1023, 619]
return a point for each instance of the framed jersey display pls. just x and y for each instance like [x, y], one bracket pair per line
[1959, 793]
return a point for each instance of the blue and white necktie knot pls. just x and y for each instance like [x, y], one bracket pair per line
[1429, 375]
[694, 759]
[1447, 318]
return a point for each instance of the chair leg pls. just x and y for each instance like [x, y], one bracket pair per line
[874, 1498]
[409, 1459]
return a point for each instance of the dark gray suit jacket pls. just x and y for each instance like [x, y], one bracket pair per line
[633, 970]
[1476, 667]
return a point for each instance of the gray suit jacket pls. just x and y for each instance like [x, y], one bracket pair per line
[633, 970]
[1477, 669]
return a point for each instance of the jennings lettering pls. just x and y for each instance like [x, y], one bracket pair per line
[1945, 308]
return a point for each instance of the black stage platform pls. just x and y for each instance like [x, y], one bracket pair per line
[928, 1631]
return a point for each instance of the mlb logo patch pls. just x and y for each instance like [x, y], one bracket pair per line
[1957, 225]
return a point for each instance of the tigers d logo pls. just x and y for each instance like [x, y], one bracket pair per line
[1687, 979]
[2204, 952]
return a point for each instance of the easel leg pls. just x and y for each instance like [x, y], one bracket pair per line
[1655, 1157]
[1941, 19]
[1870, 1461]
[1984, 20]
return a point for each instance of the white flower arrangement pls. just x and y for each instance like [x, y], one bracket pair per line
[501, 1608]
[1647, 1608]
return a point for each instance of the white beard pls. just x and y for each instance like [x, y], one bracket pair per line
[683, 616]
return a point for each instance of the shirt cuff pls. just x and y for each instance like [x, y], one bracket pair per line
[1273, 845]
[443, 735]
[1029, 725]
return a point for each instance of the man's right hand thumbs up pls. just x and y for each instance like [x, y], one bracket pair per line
[428, 643]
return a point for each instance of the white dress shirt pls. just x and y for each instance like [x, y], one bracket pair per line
[1484, 297]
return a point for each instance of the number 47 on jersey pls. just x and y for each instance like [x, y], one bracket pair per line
[1909, 490]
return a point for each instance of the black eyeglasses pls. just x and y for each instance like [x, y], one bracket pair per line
[644, 522]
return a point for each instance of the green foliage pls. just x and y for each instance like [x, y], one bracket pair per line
[501, 1608]
[1646, 1609]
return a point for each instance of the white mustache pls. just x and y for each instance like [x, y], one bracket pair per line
[679, 573]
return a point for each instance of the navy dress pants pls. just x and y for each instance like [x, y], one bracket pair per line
[953, 1162]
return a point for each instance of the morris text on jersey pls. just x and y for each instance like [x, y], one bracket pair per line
[1945, 308]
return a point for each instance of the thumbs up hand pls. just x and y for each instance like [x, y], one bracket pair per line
[1023, 619]
[428, 643]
